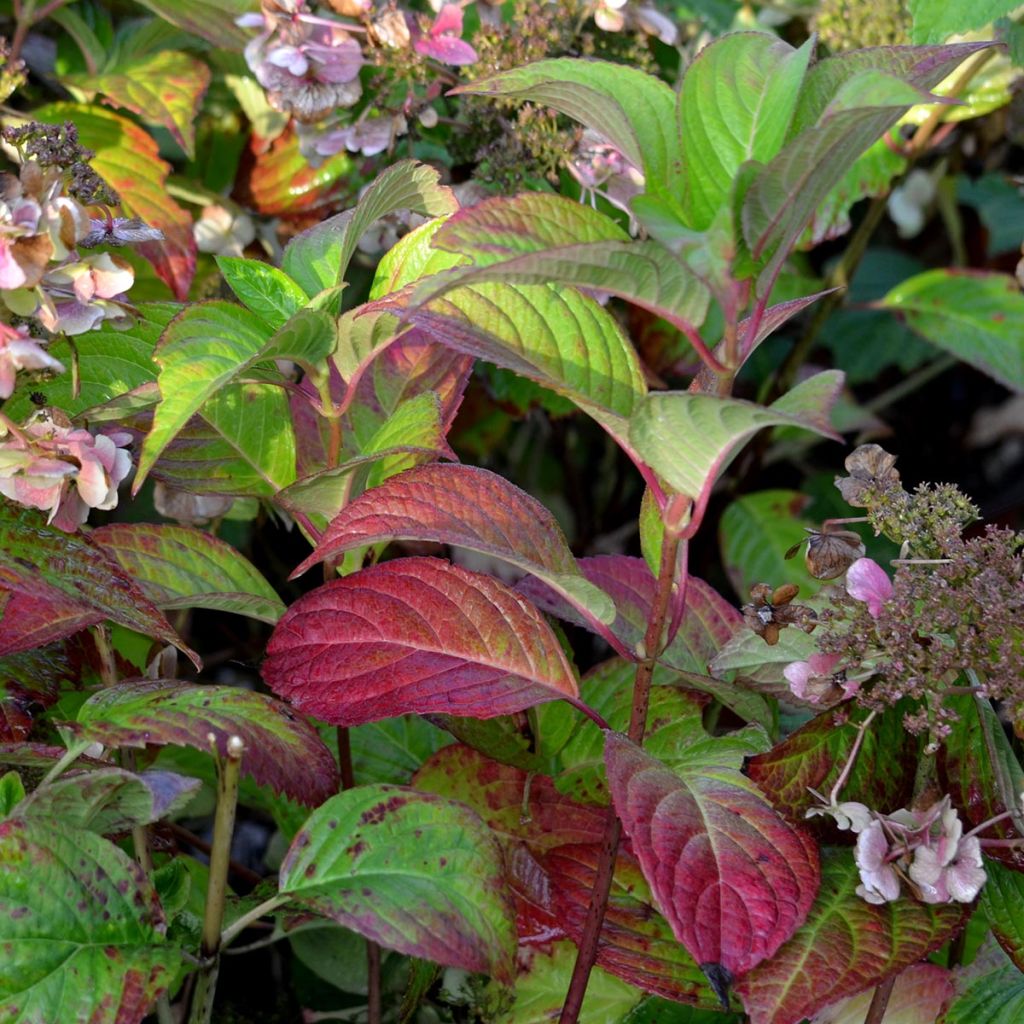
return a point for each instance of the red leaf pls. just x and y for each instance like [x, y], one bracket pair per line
[845, 945]
[30, 622]
[732, 877]
[415, 635]
[29, 682]
[282, 750]
[636, 943]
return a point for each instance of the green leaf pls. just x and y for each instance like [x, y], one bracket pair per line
[975, 315]
[688, 439]
[410, 870]
[282, 750]
[736, 103]
[934, 21]
[1001, 900]
[413, 256]
[761, 664]
[633, 110]
[50, 566]
[845, 945]
[110, 364]
[990, 991]
[12, 792]
[394, 749]
[537, 238]
[661, 1011]
[108, 799]
[205, 348]
[82, 930]
[555, 336]
[181, 567]
[755, 532]
[129, 160]
[212, 20]
[848, 103]
[263, 289]
[318, 258]
[242, 443]
[164, 88]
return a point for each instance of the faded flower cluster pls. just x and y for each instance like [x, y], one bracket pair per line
[43, 225]
[924, 851]
[63, 470]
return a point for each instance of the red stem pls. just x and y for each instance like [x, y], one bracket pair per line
[880, 1001]
[590, 938]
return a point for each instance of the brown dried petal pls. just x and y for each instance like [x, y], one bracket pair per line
[870, 467]
[761, 593]
[32, 253]
[785, 593]
[830, 554]
[798, 615]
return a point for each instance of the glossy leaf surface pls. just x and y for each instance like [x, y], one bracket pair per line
[263, 289]
[1001, 900]
[414, 635]
[76, 908]
[410, 870]
[733, 879]
[181, 567]
[282, 750]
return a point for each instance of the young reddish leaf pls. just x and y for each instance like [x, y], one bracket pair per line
[732, 877]
[282, 750]
[109, 799]
[470, 508]
[180, 567]
[1001, 900]
[82, 929]
[129, 160]
[410, 870]
[814, 755]
[845, 945]
[636, 942]
[30, 622]
[281, 182]
[415, 635]
[164, 88]
[920, 995]
[516, 804]
[69, 571]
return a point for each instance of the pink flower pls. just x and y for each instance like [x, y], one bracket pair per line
[867, 581]
[39, 468]
[20, 352]
[602, 169]
[946, 867]
[372, 136]
[815, 679]
[879, 881]
[442, 42]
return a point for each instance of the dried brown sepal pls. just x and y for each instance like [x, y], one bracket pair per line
[771, 610]
[830, 551]
[871, 469]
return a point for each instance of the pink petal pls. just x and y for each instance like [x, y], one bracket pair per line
[867, 581]
[448, 21]
[447, 50]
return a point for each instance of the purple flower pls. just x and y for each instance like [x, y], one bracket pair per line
[119, 231]
[867, 581]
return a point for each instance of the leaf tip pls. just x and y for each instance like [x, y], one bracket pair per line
[719, 978]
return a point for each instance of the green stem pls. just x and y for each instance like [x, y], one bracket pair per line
[66, 760]
[250, 917]
[605, 871]
[229, 770]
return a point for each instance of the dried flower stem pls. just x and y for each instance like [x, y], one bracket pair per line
[880, 1001]
[844, 775]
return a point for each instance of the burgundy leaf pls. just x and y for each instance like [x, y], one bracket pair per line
[30, 622]
[282, 750]
[29, 683]
[636, 942]
[415, 635]
[732, 877]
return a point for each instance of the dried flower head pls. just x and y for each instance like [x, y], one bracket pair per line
[872, 471]
[830, 551]
[772, 610]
